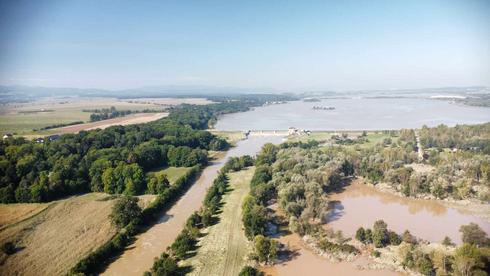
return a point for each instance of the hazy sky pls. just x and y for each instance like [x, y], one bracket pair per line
[288, 45]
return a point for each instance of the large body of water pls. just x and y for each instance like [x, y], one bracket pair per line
[355, 114]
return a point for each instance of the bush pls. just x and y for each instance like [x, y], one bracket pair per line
[331, 247]
[361, 235]
[250, 271]
[8, 248]
[376, 254]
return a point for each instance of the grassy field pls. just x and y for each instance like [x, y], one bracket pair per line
[173, 173]
[224, 249]
[14, 213]
[373, 137]
[231, 136]
[52, 237]
[22, 118]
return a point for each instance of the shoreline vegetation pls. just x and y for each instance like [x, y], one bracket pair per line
[284, 183]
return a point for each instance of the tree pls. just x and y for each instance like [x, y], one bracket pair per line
[254, 217]
[125, 210]
[424, 265]
[158, 183]
[467, 260]
[473, 234]
[360, 235]
[265, 248]
[380, 234]
[250, 271]
[394, 238]
[183, 244]
[408, 238]
[447, 241]
[166, 265]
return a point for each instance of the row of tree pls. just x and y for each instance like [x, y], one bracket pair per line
[128, 217]
[187, 239]
[464, 137]
[471, 258]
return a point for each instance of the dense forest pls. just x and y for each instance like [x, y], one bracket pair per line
[116, 159]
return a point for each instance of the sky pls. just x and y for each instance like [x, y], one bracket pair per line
[281, 45]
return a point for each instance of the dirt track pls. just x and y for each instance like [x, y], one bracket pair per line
[126, 120]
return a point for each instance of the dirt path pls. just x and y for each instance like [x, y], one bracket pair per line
[223, 250]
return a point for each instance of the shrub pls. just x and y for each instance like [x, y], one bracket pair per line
[250, 271]
[8, 248]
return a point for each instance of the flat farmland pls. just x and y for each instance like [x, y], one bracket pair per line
[52, 237]
[23, 118]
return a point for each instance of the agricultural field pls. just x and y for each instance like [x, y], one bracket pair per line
[224, 248]
[52, 237]
[23, 118]
[131, 119]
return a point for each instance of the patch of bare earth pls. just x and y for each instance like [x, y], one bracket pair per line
[54, 240]
[138, 118]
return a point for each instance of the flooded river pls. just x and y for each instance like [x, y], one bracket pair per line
[361, 205]
[306, 262]
[355, 114]
[139, 257]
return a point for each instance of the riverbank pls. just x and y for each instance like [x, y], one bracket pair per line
[223, 249]
[147, 246]
[469, 206]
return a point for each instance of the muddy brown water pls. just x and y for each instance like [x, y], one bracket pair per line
[361, 205]
[306, 262]
[139, 257]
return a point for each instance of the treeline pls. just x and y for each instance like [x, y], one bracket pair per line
[130, 222]
[452, 174]
[59, 125]
[205, 116]
[112, 112]
[464, 137]
[471, 258]
[186, 241]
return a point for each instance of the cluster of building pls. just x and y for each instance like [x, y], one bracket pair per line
[296, 131]
[39, 140]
